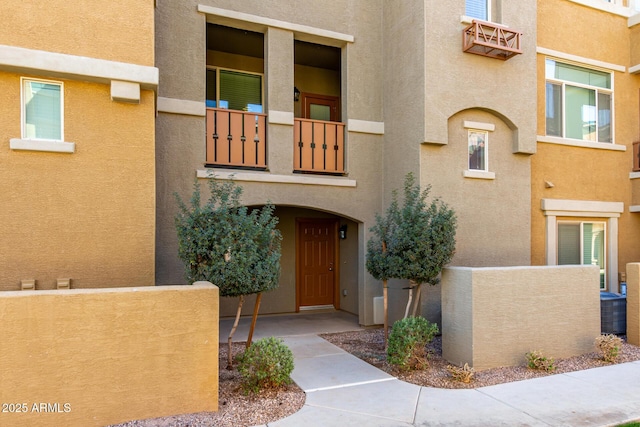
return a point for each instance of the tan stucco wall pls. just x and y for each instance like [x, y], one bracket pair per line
[89, 215]
[115, 30]
[180, 141]
[109, 355]
[585, 173]
[633, 303]
[491, 231]
[492, 317]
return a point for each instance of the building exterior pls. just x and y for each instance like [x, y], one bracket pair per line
[323, 113]
[522, 116]
[583, 183]
[77, 163]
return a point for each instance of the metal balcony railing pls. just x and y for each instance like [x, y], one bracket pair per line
[492, 40]
[318, 146]
[236, 139]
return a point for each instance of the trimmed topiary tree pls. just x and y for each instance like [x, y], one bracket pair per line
[229, 245]
[425, 238]
[413, 241]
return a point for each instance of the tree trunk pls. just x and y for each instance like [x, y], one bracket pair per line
[386, 311]
[256, 307]
[406, 311]
[416, 302]
[233, 330]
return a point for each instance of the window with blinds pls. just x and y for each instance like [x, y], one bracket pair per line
[41, 110]
[582, 243]
[478, 9]
[234, 90]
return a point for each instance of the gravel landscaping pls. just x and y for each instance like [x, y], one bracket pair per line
[237, 409]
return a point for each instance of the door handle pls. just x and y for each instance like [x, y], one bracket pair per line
[331, 267]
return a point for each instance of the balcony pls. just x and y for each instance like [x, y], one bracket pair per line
[318, 146]
[236, 139]
[492, 40]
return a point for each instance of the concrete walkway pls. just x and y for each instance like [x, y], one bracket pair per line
[342, 390]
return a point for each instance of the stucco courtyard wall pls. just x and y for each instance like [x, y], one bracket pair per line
[96, 357]
[633, 303]
[492, 317]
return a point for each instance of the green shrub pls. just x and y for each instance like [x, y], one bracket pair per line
[609, 345]
[407, 342]
[267, 363]
[536, 360]
[461, 373]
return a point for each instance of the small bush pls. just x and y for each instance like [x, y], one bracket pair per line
[407, 342]
[461, 373]
[609, 345]
[536, 360]
[267, 363]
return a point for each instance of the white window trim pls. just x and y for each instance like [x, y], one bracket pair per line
[23, 106]
[468, 19]
[44, 145]
[477, 173]
[597, 89]
[554, 208]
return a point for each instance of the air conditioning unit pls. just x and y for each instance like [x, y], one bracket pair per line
[613, 313]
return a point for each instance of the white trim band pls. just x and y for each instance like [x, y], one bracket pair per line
[61, 65]
[280, 117]
[365, 126]
[578, 143]
[583, 208]
[478, 174]
[275, 23]
[580, 59]
[276, 179]
[480, 126]
[606, 7]
[41, 145]
[635, 69]
[181, 106]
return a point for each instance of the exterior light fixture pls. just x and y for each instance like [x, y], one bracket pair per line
[296, 94]
[342, 231]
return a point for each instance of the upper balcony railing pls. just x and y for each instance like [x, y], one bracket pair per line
[318, 146]
[236, 139]
[492, 40]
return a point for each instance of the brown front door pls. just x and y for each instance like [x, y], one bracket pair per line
[316, 262]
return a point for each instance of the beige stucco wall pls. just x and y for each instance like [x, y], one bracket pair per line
[115, 30]
[633, 303]
[106, 356]
[90, 215]
[431, 88]
[180, 141]
[579, 173]
[492, 317]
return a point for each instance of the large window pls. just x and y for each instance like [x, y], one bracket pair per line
[578, 102]
[234, 90]
[42, 110]
[478, 9]
[582, 243]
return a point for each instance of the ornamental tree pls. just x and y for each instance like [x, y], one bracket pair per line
[425, 238]
[229, 245]
[411, 242]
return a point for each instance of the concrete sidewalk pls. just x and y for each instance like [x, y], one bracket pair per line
[343, 390]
